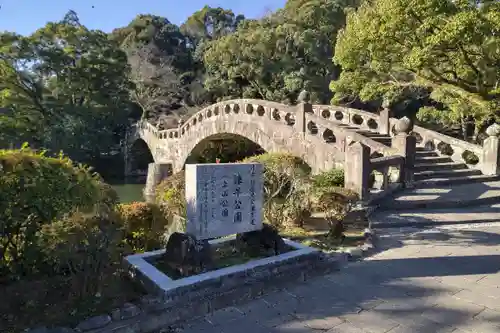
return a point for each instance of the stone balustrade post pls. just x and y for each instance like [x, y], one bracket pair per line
[304, 106]
[491, 151]
[156, 173]
[405, 144]
[357, 168]
[384, 124]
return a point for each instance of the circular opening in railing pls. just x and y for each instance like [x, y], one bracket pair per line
[194, 121]
[328, 136]
[357, 119]
[171, 135]
[182, 131]
[339, 115]
[290, 119]
[200, 118]
[261, 111]
[209, 114]
[249, 108]
[187, 127]
[276, 114]
[417, 136]
[470, 158]
[236, 108]
[372, 124]
[372, 179]
[312, 128]
[216, 111]
[394, 174]
[325, 114]
[445, 148]
[227, 109]
[176, 134]
[393, 130]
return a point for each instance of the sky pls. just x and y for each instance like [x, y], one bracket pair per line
[25, 16]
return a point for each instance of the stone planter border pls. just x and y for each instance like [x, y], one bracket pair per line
[178, 300]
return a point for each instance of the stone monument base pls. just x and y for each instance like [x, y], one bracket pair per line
[228, 286]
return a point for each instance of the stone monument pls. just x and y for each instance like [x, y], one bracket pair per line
[223, 199]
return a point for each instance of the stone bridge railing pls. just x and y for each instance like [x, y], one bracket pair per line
[361, 156]
[458, 150]
[302, 118]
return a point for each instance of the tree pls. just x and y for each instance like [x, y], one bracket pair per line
[392, 49]
[70, 86]
[156, 82]
[279, 55]
[208, 24]
[162, 65]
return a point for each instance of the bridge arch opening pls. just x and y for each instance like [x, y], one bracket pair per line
[227, 147]
[138, 159]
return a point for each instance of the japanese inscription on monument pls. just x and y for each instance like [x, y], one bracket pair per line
[223, 199]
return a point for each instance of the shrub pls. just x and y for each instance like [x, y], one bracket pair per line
[332, 178]
[171, 194]
[36, 190]
[85, 247]
[285, 188]
[143, 224]
[335, 203]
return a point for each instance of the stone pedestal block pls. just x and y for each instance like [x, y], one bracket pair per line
[156, 173]
[384, 125]
[406, 146]
[491, 151]
[357, 168]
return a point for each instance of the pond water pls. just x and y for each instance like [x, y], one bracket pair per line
[129, 192]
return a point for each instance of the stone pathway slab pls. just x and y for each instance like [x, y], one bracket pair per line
[443, 284]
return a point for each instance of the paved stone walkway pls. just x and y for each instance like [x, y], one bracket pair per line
[432, 282]
[445, 216]
[459, 192]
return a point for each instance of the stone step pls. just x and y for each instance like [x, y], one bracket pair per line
[432, 159]
[432, 182]
[439, 166]
[445, 173]
[426, 153]
[420, 218]
[460, 195]
[385, 141]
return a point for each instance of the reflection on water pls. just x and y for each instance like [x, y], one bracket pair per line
[129, 192]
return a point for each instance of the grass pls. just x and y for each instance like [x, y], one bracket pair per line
[52, 301]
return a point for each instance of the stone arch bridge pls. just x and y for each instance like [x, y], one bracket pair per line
[325, 137]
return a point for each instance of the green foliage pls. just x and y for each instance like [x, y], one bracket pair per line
[86, 247]
[285, 188]
[144, 225]
[394, 50]
[274, 58]
[335, 203]
[210, 23]
[171, 194]
[36, 190]
[332, 178]
[234, 149]
[60, 84]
